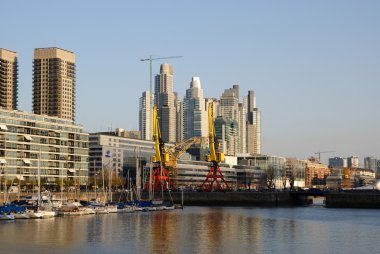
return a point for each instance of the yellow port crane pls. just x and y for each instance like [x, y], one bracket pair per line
[160, 175]
[214, 178]
[176, 151]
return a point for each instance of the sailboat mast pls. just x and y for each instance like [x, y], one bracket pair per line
[39, 179]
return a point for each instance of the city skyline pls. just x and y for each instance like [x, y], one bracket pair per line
[316, 81]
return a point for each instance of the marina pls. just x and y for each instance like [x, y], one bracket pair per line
[199, 230]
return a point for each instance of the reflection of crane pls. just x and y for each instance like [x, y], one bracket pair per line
[319, 154]
[214, 175]
[150, 59]
[160, 176]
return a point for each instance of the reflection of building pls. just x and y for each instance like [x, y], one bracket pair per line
[28, 141]
[8, 79]
[54, 82]
[316, 174]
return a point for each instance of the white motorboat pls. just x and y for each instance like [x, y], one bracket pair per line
[33, 214]
[126, 209]
[7, 217]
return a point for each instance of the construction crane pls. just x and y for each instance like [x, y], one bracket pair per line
[159, 176]
[214, 176]
[150, 59]
[319, 154]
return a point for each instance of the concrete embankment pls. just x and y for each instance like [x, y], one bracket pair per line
[353, 199]
[238, 199]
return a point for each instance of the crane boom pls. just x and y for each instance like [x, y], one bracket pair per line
[161, 155]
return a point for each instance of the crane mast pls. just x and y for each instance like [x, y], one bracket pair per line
[160, 176]
[214, 178]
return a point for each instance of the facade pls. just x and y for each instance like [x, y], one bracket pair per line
[316, 174]
[30, 143]
[338, 162]
[274, 168]
[8, 79]
[227, 133]
[370, 163]
[191, 174]
[253, 125]
[54, 83]
[353, 162]
[165, 100]
[145, 115]
[195, 113]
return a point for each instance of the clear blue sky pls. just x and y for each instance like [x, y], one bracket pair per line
[314, 65]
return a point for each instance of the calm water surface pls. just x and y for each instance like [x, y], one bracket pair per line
[200, 230]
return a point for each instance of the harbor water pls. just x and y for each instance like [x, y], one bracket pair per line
[199, 230]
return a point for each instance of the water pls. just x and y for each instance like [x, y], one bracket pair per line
[199, 230]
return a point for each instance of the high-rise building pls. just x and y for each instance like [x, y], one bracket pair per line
[353, 162]
[338, 162]
[54, 82]
[227, 133]
[242, 127]
[253, 125]
[145, 115]
[165, 100]
[54, 147]
[180, 121]
[8, 79]
[229, 103]
[370, 163]
[195, 114]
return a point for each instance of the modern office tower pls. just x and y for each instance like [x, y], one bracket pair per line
[54, 82]
[353, 162]
[227, 133]
[195, 115]
[165, 100]
[229, 103]
[145, 115]
[370, 163]
[253, 125]
[8, 79]
[338, 162]
[31, 143]
[242, 126]
[180, 121]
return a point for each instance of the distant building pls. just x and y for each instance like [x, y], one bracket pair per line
[370, 163]
[195, 114]
[253, 125]
[145, 115]
[316, 174]
[338, 162]
[8, 79]
[54, 83]
[165, 100]
[226, 130]
[353, 162]
[54, 146]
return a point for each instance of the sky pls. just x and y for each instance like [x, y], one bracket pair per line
[314, 65]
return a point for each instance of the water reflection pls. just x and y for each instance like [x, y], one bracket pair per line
[198, 230]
